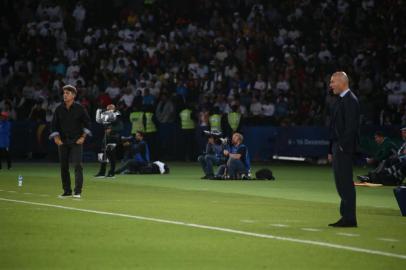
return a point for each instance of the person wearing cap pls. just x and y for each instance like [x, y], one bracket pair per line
[69, 128]
[5, 130]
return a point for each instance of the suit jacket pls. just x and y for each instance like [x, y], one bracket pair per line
[344, 126]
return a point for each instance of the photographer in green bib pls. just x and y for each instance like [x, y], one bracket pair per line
[137, 120]
[215, 120]
[187, 128]
[234, 121]
[150, 131]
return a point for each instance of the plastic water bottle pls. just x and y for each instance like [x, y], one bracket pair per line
[20, 180]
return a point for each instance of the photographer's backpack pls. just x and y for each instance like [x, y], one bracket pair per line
[264, 174]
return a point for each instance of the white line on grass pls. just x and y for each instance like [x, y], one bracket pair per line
[348, 234]
[388, 239]
[280, 225]
[247, 221]
[213, 228]
[311, 229]
[12, 191]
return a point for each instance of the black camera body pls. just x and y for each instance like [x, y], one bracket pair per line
[217, 136]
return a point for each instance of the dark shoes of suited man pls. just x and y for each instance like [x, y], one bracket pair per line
[342, 223]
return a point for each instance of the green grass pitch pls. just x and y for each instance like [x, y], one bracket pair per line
[194, 224]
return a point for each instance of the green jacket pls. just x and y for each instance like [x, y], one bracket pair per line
[386, 149]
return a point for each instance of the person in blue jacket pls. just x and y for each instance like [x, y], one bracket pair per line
[140, 152]
[238, 164]
[5, 130]
[212, 156]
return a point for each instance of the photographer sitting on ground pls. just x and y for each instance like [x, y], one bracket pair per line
[213, 154]
[392, 170]
[238, 164]
[386, 149]
[140, 151]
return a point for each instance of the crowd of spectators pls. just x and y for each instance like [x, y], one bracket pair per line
[271, 59]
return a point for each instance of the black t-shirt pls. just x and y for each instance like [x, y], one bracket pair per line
[70, 123]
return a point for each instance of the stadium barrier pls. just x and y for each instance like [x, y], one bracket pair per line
[31, 139]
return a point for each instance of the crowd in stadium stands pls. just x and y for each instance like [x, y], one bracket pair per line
[270, 60]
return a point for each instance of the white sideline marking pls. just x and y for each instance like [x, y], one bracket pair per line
[348, 234]
[280, 225]
[247, 221]
[220, 229]
[388, 239]
[1, 190]
[27, 193]
[311, 229]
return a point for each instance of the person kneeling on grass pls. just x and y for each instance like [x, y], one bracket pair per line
[140, 152]
[212, 156]
[238, 163]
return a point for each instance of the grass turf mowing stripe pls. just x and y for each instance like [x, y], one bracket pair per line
[213, 228]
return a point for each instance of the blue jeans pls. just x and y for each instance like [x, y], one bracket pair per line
[236, 168]
[207, 162]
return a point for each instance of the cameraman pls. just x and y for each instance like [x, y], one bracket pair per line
[109, 145]
[238, 164]
[212, 156]
[140, 151]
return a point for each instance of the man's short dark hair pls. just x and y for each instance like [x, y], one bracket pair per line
[140, 132]
[379, 134]
[70, 88]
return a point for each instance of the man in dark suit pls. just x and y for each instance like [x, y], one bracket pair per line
[344, 142]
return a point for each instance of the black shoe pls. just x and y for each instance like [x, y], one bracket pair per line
[65, 195]
[99, 175]
[77, 195]
[363, 178]
[111, 176]
[344, 224]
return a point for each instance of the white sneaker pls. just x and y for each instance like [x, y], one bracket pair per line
[77, 196]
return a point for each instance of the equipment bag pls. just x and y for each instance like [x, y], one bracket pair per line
[264, 174]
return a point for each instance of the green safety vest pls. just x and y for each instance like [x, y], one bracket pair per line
[234, 120]
[137, 122]
[215, 122]
[186, 119]
[149, 124]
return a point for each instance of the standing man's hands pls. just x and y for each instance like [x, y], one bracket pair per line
[81, 140]
[330, 158]
[58, 141]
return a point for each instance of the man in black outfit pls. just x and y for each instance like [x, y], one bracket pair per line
[344, 142]
[110, 143]
[69, 128]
